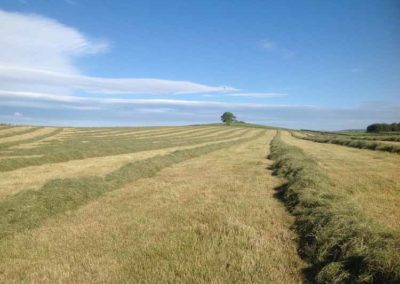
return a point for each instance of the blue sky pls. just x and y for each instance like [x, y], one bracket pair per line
[299, 64]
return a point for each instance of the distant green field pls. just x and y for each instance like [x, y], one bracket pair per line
[380, 142]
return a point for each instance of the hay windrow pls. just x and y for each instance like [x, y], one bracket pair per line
[14, 131]
[35, 177]
[29, 209]
[352, 142]
[47, 133]
[340, 242]
[77, 149]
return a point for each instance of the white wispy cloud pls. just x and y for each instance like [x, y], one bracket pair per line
[10, 76]
[47, 105]
[257, 95]
[118, 101]
[113, 111]
[37, 54]
[245, 95]
[33, 41]
[155, 110]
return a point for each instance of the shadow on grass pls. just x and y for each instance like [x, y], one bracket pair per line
[308, 273]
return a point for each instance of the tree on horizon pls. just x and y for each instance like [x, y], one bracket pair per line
[228, 118]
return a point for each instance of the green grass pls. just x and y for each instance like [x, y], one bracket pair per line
[360, 135]
[352, 142]
[393, 138]
[341, 244]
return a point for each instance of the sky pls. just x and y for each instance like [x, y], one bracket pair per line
[326, 65]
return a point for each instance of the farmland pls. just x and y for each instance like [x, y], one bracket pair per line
[197, 204]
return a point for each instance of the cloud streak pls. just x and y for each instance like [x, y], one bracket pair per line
[118, 101]
[113, 111]
[14, 76]
[37, 54]
[257, 95]
[34, 41]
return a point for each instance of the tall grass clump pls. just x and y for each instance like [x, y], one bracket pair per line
[340, 242]
[361, 144]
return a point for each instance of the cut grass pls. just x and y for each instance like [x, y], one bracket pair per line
[16, 131]
[369, 178]
[355, 143]
[28, 138]
[129, 134]
[29, 209]
[87, 147]
[340, 242]
[388, 138]
[35, 177]
[104, 132]
[26, 134]
[4, 127]
[164, 131]
[191, 223]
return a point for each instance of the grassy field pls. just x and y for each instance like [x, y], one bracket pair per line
[191, 204]
[370, 178]
[194, 204]
[339, 239]
[362, 140]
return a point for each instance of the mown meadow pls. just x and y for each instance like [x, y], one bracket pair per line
[197, 204]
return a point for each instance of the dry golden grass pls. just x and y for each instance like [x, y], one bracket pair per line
[121, 134]
[68, 133]
[125, 132]
[11, 130]
[181, 132]
[206, 133]
[371, 178]
[223, 133]
[34, 177]
[198, 131]
[17, 157]
[56, 137]
[209, 219]
[38, 132]
[301, 134]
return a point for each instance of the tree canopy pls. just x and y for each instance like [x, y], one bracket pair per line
[383, 127]
[228, 118]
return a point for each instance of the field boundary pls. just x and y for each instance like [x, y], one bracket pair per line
[340, 242]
